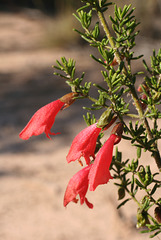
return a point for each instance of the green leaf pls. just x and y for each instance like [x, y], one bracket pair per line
[139, 183]
[123, 203]
[96, 31]
[83, 7]
[125, 10]
[154, 189]
[138, 152]
[155, 234]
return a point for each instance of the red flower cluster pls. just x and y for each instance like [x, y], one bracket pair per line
[95, 173]
[84, 145]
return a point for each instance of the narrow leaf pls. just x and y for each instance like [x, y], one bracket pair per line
[123, 203]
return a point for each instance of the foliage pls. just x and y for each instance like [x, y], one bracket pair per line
[116, 56]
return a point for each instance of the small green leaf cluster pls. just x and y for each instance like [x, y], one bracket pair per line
[89, 119]
[137, 132]
[145, 177]
[139, 138]
[68, 68]
[90, 34]
[95, 4]
[153, 86]
[116, 92]
[133, 177]
[142, 176]
[118, 166]
[155, 227]
[142, 212]
[124, 25]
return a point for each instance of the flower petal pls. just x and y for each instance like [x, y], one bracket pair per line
[42, 120]
[84, 144]
[99, 172]
[78, 185]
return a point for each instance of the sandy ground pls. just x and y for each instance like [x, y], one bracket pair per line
[34, 174]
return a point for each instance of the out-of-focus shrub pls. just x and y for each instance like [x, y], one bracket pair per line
[46, 6]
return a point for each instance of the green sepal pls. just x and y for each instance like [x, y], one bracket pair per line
[105, 118]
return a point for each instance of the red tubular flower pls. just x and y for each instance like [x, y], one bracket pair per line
[84, 144]
[143, 104]
[99, 172]
[44, 118]
[78, 185]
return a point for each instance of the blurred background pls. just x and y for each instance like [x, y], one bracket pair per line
[34, 173]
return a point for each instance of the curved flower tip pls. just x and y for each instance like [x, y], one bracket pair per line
[78, 185]
[99, 172]
[84, 144]
[42, 120]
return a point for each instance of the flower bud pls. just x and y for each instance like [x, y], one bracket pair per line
[143, 104]
[118, 130]
[107, 119]
[140, 89]
[143, 86]
[115, 62]
[68, 99]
